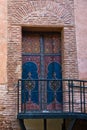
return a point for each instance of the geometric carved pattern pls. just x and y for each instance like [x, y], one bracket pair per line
[37, 11]
[30, 44]
[52, 44]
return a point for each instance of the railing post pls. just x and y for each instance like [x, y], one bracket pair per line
[72, 97]
[84, 96]
[18, 95]
[69, 94]
[45, 124]
[81, 87]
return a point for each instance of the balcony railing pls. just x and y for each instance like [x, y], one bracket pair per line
[45, 98]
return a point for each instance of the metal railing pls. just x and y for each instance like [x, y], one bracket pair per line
[52, 96]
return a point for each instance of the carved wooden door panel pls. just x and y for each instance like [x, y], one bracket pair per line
[42, 60]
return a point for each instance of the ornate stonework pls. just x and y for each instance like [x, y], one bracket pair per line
[34, 12]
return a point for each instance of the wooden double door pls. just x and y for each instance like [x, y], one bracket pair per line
[41, 62]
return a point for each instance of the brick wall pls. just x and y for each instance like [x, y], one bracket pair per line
[40, 14]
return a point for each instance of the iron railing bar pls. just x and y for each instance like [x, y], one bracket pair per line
[25, 107]
[18, 96]
[43, 79]
[62, 100]
[40, 89]
[69, 95]
[84, 96]
[23, 91]
[72, 96]
[62, 95]
[81, 95]
[22, 106]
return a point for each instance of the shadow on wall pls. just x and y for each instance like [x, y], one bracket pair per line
[37, 124]
[80, 124]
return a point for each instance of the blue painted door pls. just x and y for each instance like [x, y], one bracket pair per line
[42, 60]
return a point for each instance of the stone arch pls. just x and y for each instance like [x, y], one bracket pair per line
[46, 11]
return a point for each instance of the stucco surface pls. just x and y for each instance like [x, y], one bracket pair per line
[3, 41]
[81, 36]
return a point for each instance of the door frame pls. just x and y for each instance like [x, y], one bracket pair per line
[43, 33]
